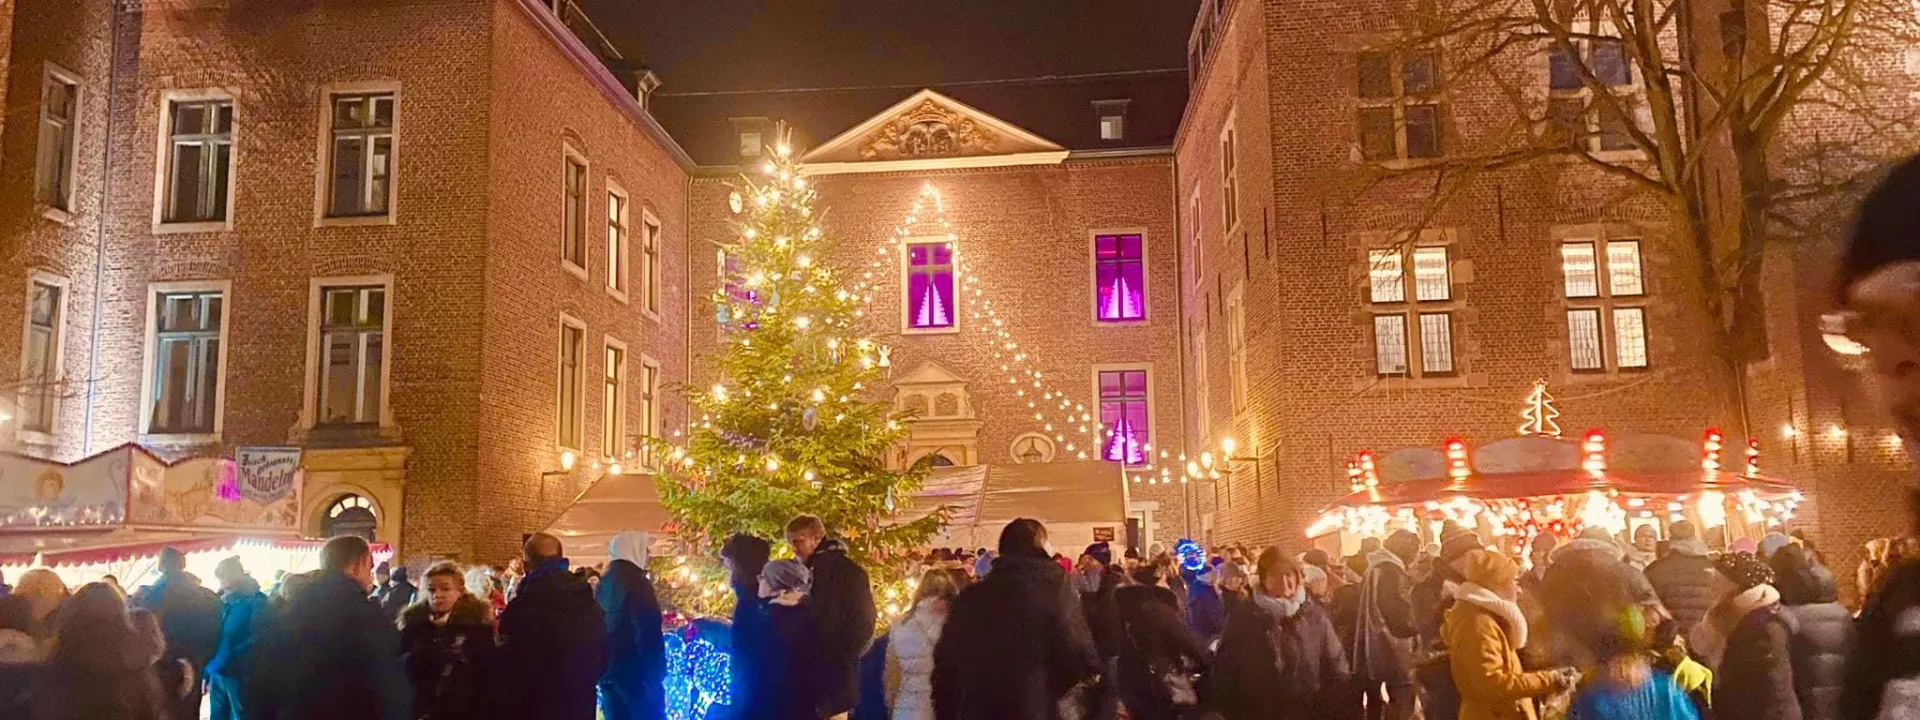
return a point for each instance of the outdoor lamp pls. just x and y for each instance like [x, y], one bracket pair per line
[1206, 459]
[567, 459]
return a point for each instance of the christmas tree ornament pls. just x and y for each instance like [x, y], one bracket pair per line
[735, 202]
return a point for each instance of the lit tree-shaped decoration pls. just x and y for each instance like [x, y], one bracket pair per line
[790, 428]
[1538, 417]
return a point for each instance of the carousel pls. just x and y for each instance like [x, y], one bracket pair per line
[1512, 489]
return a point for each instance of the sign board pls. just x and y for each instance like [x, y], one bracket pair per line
[1103, 534]
[267, 475]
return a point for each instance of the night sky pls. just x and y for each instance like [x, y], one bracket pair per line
[710, 45]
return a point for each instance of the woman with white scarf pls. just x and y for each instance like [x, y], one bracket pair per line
[1279, 658]
[1484, 631]
[1755, 677]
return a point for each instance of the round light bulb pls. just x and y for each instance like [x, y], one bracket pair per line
[567, 459]
[1227, 447]
[1206, 459]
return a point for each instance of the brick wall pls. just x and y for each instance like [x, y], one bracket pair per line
[1026, 234]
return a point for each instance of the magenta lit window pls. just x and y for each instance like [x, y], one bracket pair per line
[1120, 293]
[930, 286]
[1123, 410]
[733, 275]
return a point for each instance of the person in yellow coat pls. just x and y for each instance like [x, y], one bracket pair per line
[1484, 631]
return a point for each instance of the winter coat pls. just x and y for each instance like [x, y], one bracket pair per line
[1103, 615]
[1822, 634]
[843, 607]
[551, 652]
[1483, 634]
[189, 617]
[97, 672]
[791, 663]
[1275, 668]
[749, 633]
[1013, 644]
[1656, 699]
[910, 647]
[1682, 582]
[1385, 595]
[1886, 642]
[1755, 678]
[331, 654]
[19, 665]
[1156, 641]
[636, 649]
[1206, 612]
[396, 597]
[448, 663]
[239, 607]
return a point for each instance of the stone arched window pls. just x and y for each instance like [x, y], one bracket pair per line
[350, 515]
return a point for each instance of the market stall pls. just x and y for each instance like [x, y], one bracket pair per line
[1512, 489]
[111, 514]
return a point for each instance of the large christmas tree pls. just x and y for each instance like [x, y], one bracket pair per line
[793, 425]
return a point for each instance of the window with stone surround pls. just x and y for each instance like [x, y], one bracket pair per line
[1125, 413]
[361, 159]
[1202, 395]
[199, 160]
[649, 408]
[353, 347]
[613, 400]
[650, 263]
[1229, 177]
[573, 234]
[928, 270]
[572, 367]
[1605, 289]
[1120, 277]
[1237, 346]
[188, 327]
[55, 155]
[1579, 112]
[617, 255]
[1398, 95]
[40, 390]
[1412, 312]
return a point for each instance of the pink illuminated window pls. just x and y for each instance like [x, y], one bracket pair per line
[930, 286]
[1123, 410]
[1119, 278]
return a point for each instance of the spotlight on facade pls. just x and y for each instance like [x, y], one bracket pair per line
[567, 459]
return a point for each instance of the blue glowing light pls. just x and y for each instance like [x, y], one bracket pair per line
[699, 675]
[1192, 557]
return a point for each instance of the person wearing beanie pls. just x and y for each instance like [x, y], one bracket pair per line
[1484, 633]
[1682, 580]
[1755, 676]
[1097, 579]
[1279, 658]
[792, 662]
[1014, 641]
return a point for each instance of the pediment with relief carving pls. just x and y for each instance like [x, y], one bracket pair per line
[929, 126]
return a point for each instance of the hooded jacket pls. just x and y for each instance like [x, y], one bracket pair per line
[551, 654]
[238, 608]
[1484, 633]
[1681, 581]
[1013, 644]
[843, 610]
[636, 649]
[447, 663]
[1755, 678]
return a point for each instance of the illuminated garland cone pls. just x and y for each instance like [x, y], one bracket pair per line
[792, 427]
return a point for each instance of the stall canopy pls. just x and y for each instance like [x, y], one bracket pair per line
[1072, 498]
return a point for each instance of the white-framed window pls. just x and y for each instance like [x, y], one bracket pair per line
[929, 275]
[650, 270]
[361, 153]
[573, 218]
[751, 143]
[1113, 119]
[1577, 111]
[1119, 276]
[41, 370]
[1398, 94]
[1412, 312]
[55, 154]
[196, 174]
[351, 378]
[1229, 176]
[1125, 396]
[613, 399]
[649, 425]
[617, 254]
[572, 376]
[184, 388]
[1605, 288]
[1202, 394]
[1237, 345]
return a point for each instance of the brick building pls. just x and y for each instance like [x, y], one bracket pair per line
[1332, 305]
[359, 229]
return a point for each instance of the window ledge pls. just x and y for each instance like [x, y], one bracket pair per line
[620, 295]
[1404, 164]
[35, 437]
[353, 220]
[955, 330]
[653, 315]
[572, 269]
[56, 214]
[179, 438]
[1137, 322]
[346, 435]
[181, 228]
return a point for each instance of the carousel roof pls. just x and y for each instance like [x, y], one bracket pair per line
[1538, 483]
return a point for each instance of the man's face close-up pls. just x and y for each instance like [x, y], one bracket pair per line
[1883, 318]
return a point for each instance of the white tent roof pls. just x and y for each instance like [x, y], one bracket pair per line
[1070, 497]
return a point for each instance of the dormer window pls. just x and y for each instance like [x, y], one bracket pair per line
[1113, 119]
[750, 144]
[753, 134]
[644, 87]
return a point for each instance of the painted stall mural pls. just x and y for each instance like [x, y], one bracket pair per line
[37, 493]
[129, 486]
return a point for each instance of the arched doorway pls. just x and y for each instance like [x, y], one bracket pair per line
[349, 515]
[942, 461]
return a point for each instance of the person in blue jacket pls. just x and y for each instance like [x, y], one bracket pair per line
[240, 602]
